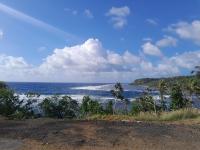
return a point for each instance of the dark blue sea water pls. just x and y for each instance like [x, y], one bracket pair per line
[99, 91]
[77, 90]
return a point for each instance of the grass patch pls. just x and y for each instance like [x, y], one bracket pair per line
[111, 117]
[177, 115]
[180, 115]
[146, 116]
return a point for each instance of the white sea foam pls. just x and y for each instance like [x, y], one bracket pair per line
[106, 87]
[78, 98]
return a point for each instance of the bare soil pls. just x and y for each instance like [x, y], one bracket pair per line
[50, 134]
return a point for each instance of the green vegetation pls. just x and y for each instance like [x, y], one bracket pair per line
[9, 103]
[177, 115]
[64, 107]
[144, 107]
[153, 82]
[143, 104]
[180, 114]
[11, 106]
[90, 107]
[177, 99]
[162, 87]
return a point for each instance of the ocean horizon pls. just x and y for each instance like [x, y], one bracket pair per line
[100, 91]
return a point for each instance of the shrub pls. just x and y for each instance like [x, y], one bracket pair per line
[177, 99]
[90, 107]
[146, 103]
[95, 107]
[9, 103]
[64, 107]
[85, 105]
[136, 107]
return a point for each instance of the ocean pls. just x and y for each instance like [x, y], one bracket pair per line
[99, 91]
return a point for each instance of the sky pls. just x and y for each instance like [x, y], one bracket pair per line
[97, 40]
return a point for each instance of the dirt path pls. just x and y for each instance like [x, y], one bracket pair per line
[10, 144]
[46, 134]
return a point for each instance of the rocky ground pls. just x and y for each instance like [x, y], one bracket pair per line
[49, 134]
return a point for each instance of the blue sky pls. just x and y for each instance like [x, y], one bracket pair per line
[97, 41]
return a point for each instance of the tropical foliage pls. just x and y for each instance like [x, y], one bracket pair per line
[181, 93]
[64, 107]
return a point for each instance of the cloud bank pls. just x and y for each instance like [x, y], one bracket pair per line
[91, 62]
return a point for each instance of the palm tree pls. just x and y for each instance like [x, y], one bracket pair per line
[117, 93]
[162, 87]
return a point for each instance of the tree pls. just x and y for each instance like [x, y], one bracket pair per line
[85, 105]
[117, 93]
[192, 87]
[162, 87]
[147, 103]
[60, 107]
[95, 107]
[69, 107]
[90, 107]
[136, 107]
[26, 109]
[9, 102]
[177, 99]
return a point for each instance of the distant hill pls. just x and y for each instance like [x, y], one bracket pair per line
[153, 82]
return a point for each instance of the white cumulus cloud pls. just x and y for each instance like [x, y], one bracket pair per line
[88, 57]
[91, 62]
[151, 49]
[167, 41]
[186, 60]
[187, 30]
[119, 16]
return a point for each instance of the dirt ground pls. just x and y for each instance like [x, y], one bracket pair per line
[49, 134]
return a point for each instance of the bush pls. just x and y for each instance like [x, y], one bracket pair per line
[136, 107]
[177, 100]
[90, 107]
[147, 103]
[64, 107]
[9, 103]
[85, 105]
[14, 108]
